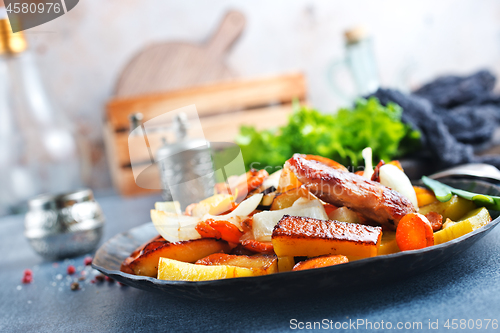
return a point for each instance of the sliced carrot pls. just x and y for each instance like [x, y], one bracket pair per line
[220, 230]
[207, 231]
[414, 232]
[258, 247]
[321, 261]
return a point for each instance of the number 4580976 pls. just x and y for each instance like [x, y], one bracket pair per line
[471, 324]
[25, 8]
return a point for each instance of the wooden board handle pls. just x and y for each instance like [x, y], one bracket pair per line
[230, 29]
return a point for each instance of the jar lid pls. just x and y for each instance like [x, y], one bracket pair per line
[43, 202]
[68, 199]
[355, 34]
[51, 201]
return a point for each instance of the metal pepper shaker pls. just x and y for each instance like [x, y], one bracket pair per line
[186, 167]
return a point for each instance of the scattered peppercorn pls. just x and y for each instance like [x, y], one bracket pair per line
[75, 286]
[110, 280]
[87, 261]
[99, 278]
[92, 281]
[71, 270]
[27, 276]
[81, 278]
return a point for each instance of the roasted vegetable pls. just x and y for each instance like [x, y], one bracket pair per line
[344, 214]
[287, 181]
[285, 264]
[181, 271]
[302, 236]
[321, 261]
[452, 209]
[470, 222]
[219, 230]
[453, 230]
[286, 199]
[214, 205]
[388, 244]
[258, 247]
[424, 196]
[260, 264]
[264, 222]
[444, 192]
[414, 232]
[145, 262]
[175, 227]
[477, 218]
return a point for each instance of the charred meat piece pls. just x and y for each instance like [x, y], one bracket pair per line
[341, 188]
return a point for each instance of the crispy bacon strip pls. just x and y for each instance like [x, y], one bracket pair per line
[436, 220]
[340, 188]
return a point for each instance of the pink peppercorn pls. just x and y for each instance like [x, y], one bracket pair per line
[27, 276]
[87, 261]
[71, 269]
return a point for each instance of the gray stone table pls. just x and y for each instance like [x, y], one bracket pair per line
[467, 287]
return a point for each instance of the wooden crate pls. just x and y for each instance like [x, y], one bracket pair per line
[222, 107]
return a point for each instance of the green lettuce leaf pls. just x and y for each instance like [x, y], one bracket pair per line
[341, 136]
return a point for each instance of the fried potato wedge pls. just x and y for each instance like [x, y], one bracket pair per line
[181, 271]
[321, 261]
[453, 209]
[303, 236]
[260, 264]
[145, 261]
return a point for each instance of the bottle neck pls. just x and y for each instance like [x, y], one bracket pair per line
[10, 43]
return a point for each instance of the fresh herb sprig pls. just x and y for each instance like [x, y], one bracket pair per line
[444, 193]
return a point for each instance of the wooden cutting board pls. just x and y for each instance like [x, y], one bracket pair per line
[176, 65]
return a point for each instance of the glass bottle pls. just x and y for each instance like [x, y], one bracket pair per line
[361, 65]
[38, 150]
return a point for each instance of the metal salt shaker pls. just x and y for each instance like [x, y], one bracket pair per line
[186, 168]
[65, 225]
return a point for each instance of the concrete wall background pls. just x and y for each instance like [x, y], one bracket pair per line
[81, 53]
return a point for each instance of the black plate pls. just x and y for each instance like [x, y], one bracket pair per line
[334, 279]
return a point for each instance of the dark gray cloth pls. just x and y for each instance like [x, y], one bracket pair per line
[456, 116]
